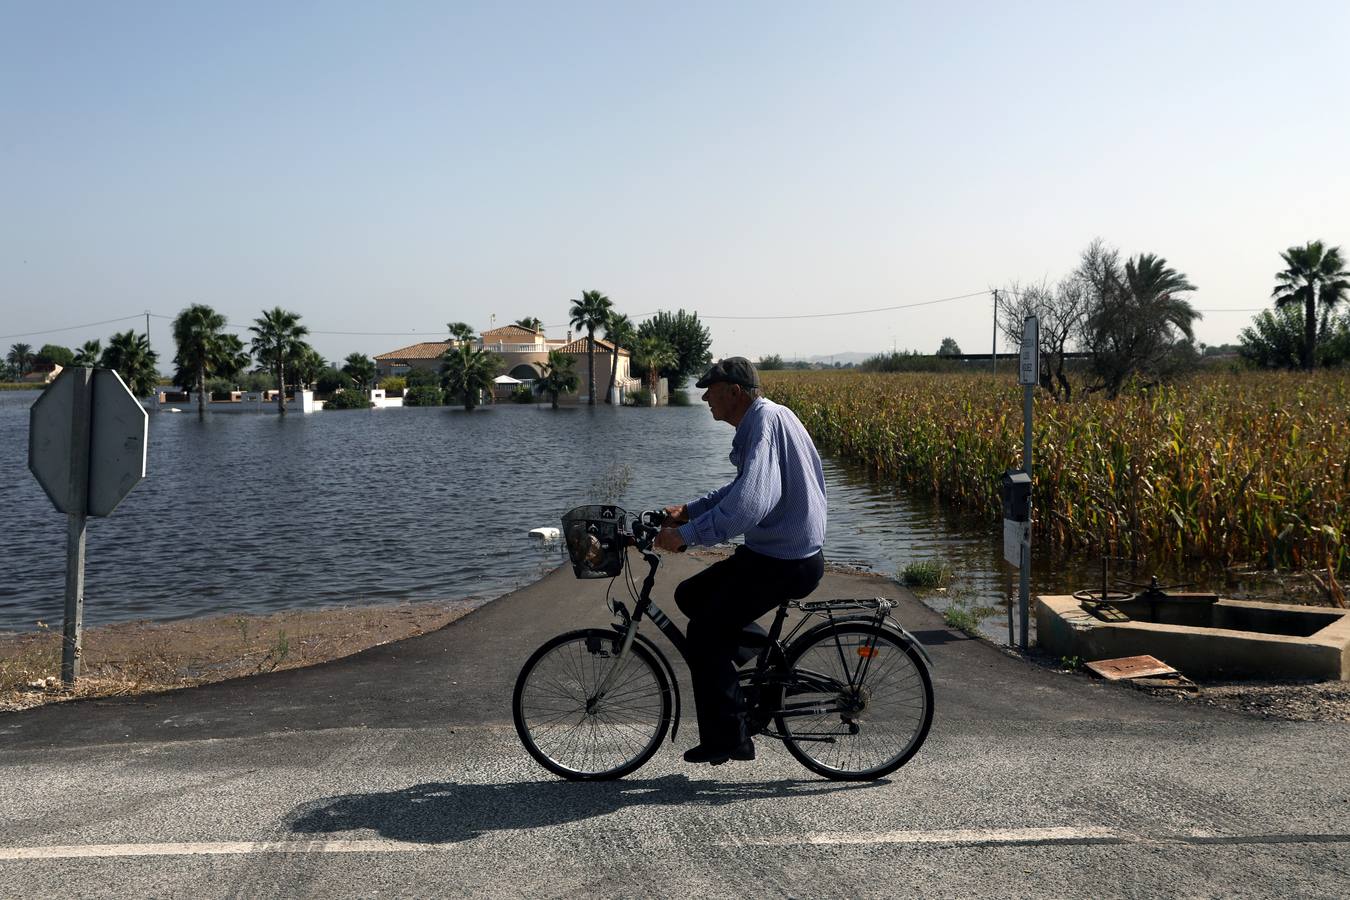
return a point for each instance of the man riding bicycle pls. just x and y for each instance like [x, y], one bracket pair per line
[777, 501]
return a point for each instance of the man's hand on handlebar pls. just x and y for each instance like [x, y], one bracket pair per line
[677, 515]
[669, 539]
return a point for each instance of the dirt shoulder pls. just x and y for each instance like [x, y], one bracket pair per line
[147, 657]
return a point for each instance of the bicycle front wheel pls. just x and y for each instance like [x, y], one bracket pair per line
[859, 702]
[572, 729]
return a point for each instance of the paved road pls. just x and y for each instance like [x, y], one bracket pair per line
[397, 773]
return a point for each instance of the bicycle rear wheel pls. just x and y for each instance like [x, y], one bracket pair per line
[859, 702]
[573, 731]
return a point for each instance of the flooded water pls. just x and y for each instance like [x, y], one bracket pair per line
[254, 512]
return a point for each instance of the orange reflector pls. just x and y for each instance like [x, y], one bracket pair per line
[867, 652]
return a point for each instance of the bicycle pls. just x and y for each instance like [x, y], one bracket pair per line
[847, 690]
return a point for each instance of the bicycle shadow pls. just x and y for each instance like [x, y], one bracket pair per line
[446, 812]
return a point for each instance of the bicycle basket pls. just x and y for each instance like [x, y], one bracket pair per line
[594, 536]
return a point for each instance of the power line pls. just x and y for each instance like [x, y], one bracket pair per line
[643, 315]
[5, 337]
[855, 312]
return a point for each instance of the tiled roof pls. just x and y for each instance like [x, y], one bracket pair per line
[601, 346]
[425, 350]
[509, 333]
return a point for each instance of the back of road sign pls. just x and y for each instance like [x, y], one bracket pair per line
[117, 433]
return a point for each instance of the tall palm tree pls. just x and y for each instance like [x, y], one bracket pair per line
[466, 371]
[620, 332]
[652, 354]
[130, 355]
[361, 368]
[197, 332]
[531, 323]
[590, 312]
[558, 377]
[278, 340]
[460, 331]
[20, 357]
[88, 354]
[1314, 274]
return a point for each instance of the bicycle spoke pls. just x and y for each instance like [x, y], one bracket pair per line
[878, 711]
[561, 715]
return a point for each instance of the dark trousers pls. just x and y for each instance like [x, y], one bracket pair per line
[720, 601]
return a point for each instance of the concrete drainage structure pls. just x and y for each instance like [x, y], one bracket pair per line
[1200, 634]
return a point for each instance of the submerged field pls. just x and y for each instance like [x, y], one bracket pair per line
[1235, 469]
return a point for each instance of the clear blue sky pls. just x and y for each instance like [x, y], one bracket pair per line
[390, 167]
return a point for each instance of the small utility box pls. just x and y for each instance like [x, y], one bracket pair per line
[1015, 492]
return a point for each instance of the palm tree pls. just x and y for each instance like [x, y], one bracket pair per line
[130, 355]
[620, 332]
[466, 371]
[277, 343]
[1134, 321]
[652, 354]
[21, 358]
[231, 357]
[196, 331]
[590, 312]
[361, 368]
[558, 377]
[88, 354]
[307, 366]
[531, 323]
[460, 331]
[1314, 274]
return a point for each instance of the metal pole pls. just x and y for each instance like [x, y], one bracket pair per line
[72, 633]
[1024, 590]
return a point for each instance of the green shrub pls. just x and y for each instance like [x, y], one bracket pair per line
[522, 394]
[423, 378]
[640, 397]
[678, 398]
[392, 383]
[424, 395]
[331, 380]
[349, 399]
[926, 573]
[257, 381]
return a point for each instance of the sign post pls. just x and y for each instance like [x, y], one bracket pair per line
[1029, 370]
[87, 438]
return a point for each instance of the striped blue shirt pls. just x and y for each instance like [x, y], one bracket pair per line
[778, 498]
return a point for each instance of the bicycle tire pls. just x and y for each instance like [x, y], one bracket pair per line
[591, 741]
[896, 699]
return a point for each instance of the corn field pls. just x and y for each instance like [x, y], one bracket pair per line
[1236, 469]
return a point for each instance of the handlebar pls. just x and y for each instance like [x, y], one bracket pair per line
[646, 526]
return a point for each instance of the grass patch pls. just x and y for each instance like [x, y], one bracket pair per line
[926, 573]
[962, 619]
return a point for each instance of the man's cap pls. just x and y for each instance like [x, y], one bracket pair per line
[733, 369]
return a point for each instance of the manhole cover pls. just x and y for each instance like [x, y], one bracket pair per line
[1130, 667]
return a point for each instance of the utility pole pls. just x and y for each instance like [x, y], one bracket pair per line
[993, 352]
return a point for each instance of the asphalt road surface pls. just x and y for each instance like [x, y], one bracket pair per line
[397, 772]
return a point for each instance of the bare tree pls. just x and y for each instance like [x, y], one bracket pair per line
[1060, 311]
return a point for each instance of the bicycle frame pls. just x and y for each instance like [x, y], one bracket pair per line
[763, 674]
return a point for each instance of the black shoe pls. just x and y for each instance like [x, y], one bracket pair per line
[716, 756]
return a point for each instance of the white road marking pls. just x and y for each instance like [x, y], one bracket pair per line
[210, 848]
[948, 837]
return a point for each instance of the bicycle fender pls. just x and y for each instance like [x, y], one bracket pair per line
[861, 618]
[670, 676]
